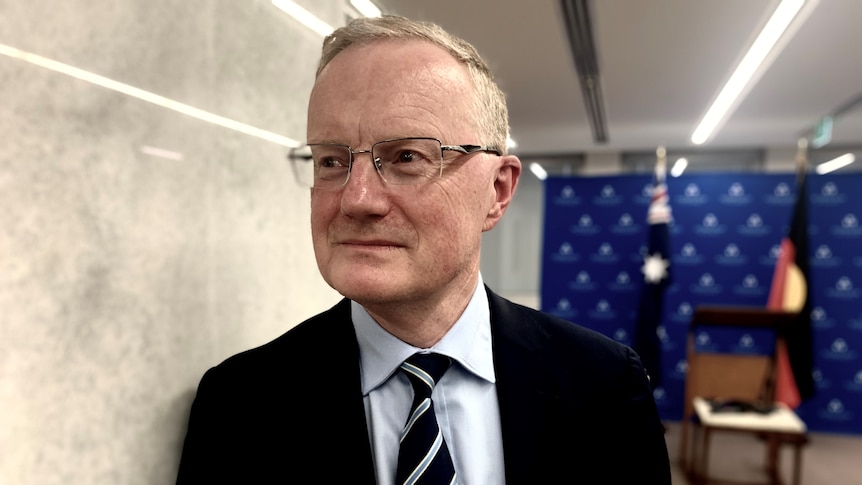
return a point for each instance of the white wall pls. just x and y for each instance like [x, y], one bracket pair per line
[124, 276]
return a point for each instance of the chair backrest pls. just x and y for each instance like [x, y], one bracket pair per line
[724, 375]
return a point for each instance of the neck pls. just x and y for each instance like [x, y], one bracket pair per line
[423, 323]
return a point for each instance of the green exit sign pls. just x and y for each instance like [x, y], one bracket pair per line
[822, 132]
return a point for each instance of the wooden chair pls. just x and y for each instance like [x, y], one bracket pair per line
[744, 379]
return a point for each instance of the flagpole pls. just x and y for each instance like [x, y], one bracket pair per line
[801, 159]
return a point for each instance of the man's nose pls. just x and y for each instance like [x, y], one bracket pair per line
[364, 193]
[363, 168]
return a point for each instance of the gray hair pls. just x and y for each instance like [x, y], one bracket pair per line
[489, 103]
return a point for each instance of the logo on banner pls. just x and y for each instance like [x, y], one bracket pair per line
[754, 226]
[620, 335]
[688, 255]
[780, 195]
[823, 257]
[585, 225]
[565, 254]
[563, 309]
[834, 411]
[625, 225]
[607, 196]
[680, 369]
[605, 254]
[645, 196]
[660, 396]
[567, 197]
[849, 226]
[623, 282]
[731, 256]
[704, 343]
[710, 226]
[603, 311]
[706, 285]
[683, 313]
[746, 345]
[735, 195]
[691, 196]
[828, 195]
[819, 319]
[839, 350]
[749, 287]
[855, 384]
[820, 381]
[582, 282]
[771, 257]
[843, 289]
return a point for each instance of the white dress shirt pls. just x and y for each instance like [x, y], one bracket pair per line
[465, 399]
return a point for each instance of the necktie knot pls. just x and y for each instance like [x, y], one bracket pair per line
[424, 371]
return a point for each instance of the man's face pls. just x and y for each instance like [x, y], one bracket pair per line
[380, 243]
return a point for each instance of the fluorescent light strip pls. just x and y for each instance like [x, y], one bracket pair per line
[746, 69]
[161, 152]
[679, 167]
[538, 171]
[146, 96]
[304, 17]
[835, 163]
[366, 8]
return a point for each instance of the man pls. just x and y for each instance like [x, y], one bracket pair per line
[407, 134]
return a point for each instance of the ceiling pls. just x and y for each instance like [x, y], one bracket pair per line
[661, 63]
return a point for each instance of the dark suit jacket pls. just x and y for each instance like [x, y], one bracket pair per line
[575, 406]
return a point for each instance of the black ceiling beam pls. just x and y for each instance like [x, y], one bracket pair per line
[576, 16]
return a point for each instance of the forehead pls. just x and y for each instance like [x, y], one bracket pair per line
[390, 88]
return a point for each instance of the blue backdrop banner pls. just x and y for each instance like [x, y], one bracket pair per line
[724, 239]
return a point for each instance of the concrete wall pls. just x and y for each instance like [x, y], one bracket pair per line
[124, 275]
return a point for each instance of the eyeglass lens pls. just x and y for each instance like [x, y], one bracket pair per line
[406, 161]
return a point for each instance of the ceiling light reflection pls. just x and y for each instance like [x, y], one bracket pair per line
[744, 74]
[304, 17]
[146, 96]
[538, 171]
[835, 163]
[679, 167]
[366, 8]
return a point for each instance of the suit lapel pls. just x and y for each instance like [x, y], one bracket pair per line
[529, 398]
[349, 423]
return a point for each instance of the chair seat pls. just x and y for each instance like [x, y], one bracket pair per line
[780, 420]
[781, 425]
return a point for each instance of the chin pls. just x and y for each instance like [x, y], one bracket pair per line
[364, 284]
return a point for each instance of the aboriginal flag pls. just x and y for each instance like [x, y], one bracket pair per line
[790, 292]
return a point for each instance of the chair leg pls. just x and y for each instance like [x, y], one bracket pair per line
[692, 455]
[797, 461]
[683, 445]
[702, 468]
[773, 444]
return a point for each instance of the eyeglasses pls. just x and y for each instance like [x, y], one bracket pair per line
[402, 161]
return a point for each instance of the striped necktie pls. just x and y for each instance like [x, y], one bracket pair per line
[424, 457]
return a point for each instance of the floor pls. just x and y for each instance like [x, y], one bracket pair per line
[828, 459]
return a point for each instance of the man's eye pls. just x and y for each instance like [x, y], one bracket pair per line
[406, 156]
[331, 162]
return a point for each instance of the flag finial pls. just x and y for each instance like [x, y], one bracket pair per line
[660, 163]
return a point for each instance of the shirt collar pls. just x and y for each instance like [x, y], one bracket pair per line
[468, 342]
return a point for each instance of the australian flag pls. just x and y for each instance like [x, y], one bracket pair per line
[656, 272]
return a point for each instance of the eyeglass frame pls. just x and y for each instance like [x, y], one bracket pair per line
[462, 149]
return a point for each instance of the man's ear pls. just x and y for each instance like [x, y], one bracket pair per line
[505, 184]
